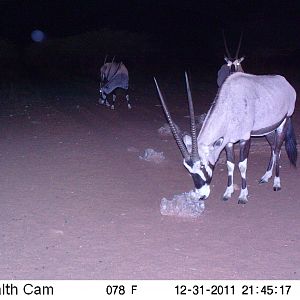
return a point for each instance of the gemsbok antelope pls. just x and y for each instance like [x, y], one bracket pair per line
[114, 76]
[246, 105]
[233, 64]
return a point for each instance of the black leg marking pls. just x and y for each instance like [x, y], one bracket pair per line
[113, 101]
[230, 168]
[128, 101]
[271, 138]
[244, 153]
[280, 134]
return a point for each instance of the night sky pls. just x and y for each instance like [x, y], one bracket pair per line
[172, 19]
[191, 27]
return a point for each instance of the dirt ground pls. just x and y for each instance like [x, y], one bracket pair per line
[78, 203]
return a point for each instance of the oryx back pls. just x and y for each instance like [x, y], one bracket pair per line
[247, 105]
[114, 75]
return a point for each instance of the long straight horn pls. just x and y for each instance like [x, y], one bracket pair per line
[195, 153]
[225, 45]
[116, 71]
[239, 46]
[105, 60]
[108, 73]
[178, 140]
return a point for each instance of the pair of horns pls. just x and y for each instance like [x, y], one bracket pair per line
[110, 63]
[194, 156]
[105, 59]
[109, 70]
[238, 48]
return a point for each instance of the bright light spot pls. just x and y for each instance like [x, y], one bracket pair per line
[37, 36]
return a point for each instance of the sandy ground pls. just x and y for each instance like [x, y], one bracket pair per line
[78, 203]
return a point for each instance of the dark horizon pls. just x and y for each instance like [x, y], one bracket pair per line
[187, 21]
[137, 31]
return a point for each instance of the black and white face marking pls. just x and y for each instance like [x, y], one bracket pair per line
[102, 94]
[201, 170]
[233, 64]
[104, 88]
[201, 175]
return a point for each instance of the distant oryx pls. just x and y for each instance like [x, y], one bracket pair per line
[114, 76]
[233, 64]
[246, 105]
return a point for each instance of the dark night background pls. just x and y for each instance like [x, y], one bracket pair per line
[78, 198]
[78, 35]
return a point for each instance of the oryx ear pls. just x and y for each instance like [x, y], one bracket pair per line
[218, 142]
[226, 59]
[188, 142]
[241, 59]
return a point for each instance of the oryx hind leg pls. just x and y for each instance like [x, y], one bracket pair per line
[230, 168]
[271, 138]
[280, 134]
[244, 152]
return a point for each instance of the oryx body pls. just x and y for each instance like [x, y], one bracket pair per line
[113, 76]
[246, 105]
[233, 64]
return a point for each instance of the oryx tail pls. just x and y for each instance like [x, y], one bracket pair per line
[291, 143]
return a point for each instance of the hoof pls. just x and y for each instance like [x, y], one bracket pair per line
[262, 181]
[112, 107]
[225, 198]
[129, 106]
[276, 188]
[242, 201]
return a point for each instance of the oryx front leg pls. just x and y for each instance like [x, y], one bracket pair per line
[244, 152]
[113, 101]
[230, 168]
[103, 100]
[128, 102]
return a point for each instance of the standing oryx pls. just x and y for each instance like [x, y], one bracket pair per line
[233, 64]
[114, 76]
[246, 105]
